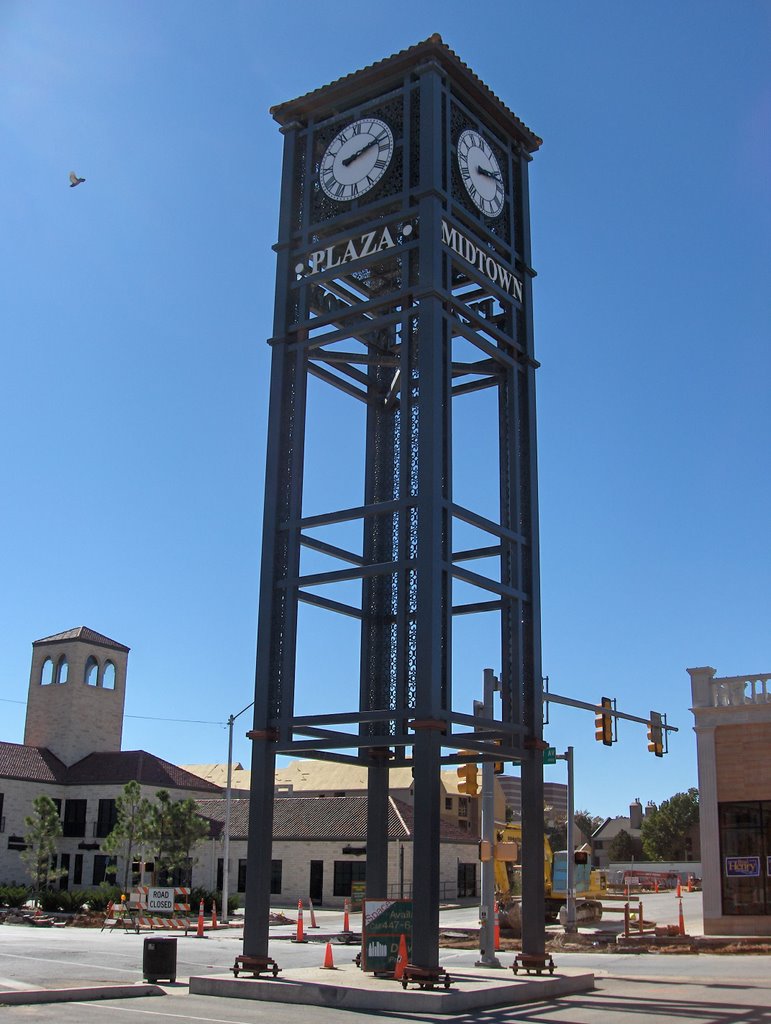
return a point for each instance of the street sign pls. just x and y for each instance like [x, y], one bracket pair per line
[550, 755]
[383, 924]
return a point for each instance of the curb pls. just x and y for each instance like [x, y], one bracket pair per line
[69, 995]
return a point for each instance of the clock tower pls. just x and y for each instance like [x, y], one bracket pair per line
[403, 285]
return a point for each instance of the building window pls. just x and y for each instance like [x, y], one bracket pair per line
[463, 807]
[92, 671]
[346, 872]
[448, 803]
[108, 676]
[62, 670]
[47, 673]
[65, 875]
[107, 816]
[74, 822]
[276, 867]
[77, 874]
[745, 857]
[467, 880]
[104, 866]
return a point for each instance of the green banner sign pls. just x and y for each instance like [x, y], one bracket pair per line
[550, 755]
[383, 924]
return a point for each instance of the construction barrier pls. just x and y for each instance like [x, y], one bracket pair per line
[159, 907]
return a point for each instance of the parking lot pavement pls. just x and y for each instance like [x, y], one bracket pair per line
[681, 998]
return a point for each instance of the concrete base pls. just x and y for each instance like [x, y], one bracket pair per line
[349, 988]
[29, 996]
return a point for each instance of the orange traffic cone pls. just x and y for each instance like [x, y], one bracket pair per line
[214, 913]
[496, 928]
[677, 894]
[329, 963]
[401, 958]
[681, 920]
[299, 937]
[199, 933]
[655, 886]
[346, 920]
[313, 914]
[690, 883]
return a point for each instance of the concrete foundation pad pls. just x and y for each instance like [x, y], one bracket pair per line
[349, 988]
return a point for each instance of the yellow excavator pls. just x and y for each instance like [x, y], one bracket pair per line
[590, 885]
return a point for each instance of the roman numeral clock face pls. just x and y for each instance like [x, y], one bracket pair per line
[481, 173]
[356, 159]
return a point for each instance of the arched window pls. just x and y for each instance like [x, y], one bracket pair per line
[47, 672]
[92, 671]
[108, 678]
[61, 670]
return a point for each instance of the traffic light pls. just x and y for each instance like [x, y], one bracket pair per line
[603, 723]
[468, 774]
[656, 734]
[499, 766]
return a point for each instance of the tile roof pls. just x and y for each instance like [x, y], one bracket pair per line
[122, 766]
[30, 764]
[85, 634]
[341, 818]
[38, 764]
[325, 98]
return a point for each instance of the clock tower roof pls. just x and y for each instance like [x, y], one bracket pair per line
[374, 78]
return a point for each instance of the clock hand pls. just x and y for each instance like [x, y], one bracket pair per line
[488, 174]
[354, 156]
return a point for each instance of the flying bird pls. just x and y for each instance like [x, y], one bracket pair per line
[75, 180]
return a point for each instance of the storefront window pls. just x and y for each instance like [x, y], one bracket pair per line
[745, 857]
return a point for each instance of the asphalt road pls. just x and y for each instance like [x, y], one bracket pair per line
[666, 987]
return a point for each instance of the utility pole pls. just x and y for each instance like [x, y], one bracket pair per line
[226, 844]
[570, 906]
[487, 904]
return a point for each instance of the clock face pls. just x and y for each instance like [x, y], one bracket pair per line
[356, 159]
[481, 173]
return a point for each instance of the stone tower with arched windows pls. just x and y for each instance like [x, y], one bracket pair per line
[77, 690]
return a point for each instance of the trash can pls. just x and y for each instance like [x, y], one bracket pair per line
[160, 959]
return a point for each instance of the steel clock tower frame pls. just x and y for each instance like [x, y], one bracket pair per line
[403, 281]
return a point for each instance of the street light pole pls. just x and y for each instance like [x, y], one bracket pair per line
[228, 794]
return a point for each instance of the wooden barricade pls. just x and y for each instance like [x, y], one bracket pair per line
[159, 907]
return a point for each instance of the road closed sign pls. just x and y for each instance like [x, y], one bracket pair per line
[160, 901]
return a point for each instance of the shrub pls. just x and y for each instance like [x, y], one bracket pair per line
[208, 895]
[48, 900]
[97, 899]
[14, 895]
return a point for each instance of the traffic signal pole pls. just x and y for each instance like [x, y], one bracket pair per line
[570, 903]
[487, 957]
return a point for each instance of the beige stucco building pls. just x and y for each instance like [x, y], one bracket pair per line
[71, 753]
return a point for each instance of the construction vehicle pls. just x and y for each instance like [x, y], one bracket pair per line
[590, 885]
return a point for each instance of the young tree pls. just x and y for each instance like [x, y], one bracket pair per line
[621, 847]
[129, 834]
[664, 829]
[588, 823]
[174, 829]
[44, 827]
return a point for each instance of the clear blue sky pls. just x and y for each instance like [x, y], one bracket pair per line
[135, 310]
